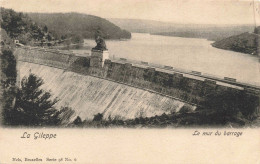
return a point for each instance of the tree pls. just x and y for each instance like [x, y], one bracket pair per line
[5, 39]
[232, 103]
[34, 106]
[77, 121]
[257, 30]
[98, 117]
[8, 67]
[7, 75]
[63, 116]
[77, 39]
[45, 29]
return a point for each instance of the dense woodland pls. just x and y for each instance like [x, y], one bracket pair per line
[245, 42]
[20, 27]
[79, 25]
[69, 28]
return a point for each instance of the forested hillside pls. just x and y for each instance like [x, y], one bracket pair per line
[21, 27]
[245, 42]
[81, 25]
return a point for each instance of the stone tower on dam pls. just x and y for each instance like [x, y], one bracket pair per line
[99, 53]
[98, 58]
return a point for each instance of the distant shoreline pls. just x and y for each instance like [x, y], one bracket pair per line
[191, 37]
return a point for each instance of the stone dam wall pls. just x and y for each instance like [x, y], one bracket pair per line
[167, 83]
[88, 95]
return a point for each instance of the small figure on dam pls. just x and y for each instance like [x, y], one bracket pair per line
[101, 45]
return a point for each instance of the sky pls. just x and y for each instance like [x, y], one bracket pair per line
[177, 11]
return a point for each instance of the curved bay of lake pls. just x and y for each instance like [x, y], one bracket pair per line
[186, 53]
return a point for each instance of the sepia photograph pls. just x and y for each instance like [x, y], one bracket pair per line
[129, 64]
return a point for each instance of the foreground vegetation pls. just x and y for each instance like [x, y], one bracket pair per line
[219, 111]
[32, 106]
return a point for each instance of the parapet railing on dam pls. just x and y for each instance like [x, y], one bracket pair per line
[228, 80]
[188, 86]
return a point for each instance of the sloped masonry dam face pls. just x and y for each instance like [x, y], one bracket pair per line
[89, 95]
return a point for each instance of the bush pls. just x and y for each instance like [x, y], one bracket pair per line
[98, 117]
[185, 109]
[231, 102]
[77, 121]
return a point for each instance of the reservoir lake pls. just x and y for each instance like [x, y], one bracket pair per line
[185, 53]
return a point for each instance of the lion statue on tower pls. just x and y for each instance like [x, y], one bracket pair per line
[101, 45]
